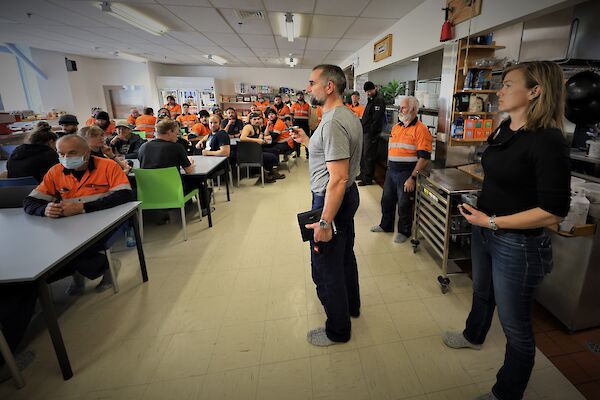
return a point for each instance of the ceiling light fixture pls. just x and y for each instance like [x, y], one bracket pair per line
[216, 59]
[133, 17]
[291, 61]
[289, 26]
[130, 57]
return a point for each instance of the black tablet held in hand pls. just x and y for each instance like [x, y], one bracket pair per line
[307, 218]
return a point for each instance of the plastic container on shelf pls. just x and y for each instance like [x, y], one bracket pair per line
[578, 211]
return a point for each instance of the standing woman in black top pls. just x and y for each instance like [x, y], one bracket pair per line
[526, 187]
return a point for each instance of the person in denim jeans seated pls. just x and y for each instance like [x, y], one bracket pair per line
[526, 187]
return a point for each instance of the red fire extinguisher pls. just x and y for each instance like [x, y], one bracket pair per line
[447, 28]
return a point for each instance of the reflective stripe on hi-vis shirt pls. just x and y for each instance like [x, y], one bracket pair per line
[402, 158]
[145, 123]
[405, 141]
[174, 109]
[300, 111]
[102, 177]
[397, 145]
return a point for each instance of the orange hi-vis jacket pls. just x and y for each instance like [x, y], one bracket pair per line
[146, 123]
[102, 178]
[407, 141]
[284, 136]
[187, 120]
[358, 110]
[283, 111]
[300, 111]
[108, 131]
[174, 110]
[200, 129]
[262, 106]
[131, 119]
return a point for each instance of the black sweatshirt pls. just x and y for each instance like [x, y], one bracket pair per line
[31, 160]
[524, 170]
[374, 116]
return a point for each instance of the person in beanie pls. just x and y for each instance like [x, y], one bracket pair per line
[69, 125]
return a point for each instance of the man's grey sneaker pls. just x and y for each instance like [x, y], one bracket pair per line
[377, 228]
[457, 340]
[23, 360]
[318, 337]
[487, 396]
[107, 282]
[77, 285]
[400, 238]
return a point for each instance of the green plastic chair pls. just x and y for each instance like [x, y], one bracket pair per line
[141, 134]
[160, 189]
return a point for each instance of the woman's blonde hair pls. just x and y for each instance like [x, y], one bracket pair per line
[92, 131]
[548, 109]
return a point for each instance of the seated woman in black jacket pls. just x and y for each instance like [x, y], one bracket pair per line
[34, 158]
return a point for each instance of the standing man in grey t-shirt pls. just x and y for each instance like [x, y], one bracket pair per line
[335, 149]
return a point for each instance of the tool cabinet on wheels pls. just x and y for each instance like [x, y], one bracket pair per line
[437, 220]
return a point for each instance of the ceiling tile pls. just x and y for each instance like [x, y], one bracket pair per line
[390, 8]
[320, 43]
[342, 54]
[269, 53]
[238, 4]
[212, 50]
[316, 54]
[240, 51]
[225, 39]
[368, 28]
[197, 3]
[207, 19]
[119, 35]
[249, 60]
[351, 8]
[260, 41]
[191, 38]
[301, 6]
[254, 26]
[350, 44]
[43, 13]
[329, 27]
[297, 44]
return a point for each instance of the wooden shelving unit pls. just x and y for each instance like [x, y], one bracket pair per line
[469, 53]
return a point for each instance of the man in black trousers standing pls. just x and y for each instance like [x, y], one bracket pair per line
[372, 123]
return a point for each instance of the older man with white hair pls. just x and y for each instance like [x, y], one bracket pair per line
[409, 152]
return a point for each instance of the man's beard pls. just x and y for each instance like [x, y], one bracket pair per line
[405, 118]
[278, 106]
[316, 102]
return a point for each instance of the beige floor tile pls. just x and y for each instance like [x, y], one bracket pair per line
[369, 292]
[285, 339]
[290, 380]
[238, 346]
[375, 326]
[203, 313]
[412, 319]
[395, 288]
[216, 284]
[238, 384]
[388, 372]
[549, 383]
[187, 354]
[468, 392]
[448, 311]
[288, 274]
[286, 302]
[383, 264]
[436, 366]
[338, 376]
[246, 307]
[251, 280]
[426, 283]
[180, 389]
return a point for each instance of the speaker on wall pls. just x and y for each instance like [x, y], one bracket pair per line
[71, 65]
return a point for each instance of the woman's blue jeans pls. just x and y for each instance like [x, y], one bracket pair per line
[507, 267]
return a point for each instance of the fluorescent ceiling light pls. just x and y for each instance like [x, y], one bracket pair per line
[130, 57]
[216, 59]
[289, 26]
[133, 17]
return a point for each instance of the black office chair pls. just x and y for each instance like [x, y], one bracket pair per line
[12, 182]
[249, 154]
[13, 196]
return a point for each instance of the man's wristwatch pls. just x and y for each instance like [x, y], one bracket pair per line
[492, 223]
[324, 224]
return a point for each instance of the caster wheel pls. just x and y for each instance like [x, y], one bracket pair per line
[444, 284]
[415, 245]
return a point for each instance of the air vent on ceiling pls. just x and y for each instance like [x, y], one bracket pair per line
[249, 14]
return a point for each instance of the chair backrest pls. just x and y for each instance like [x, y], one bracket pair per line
[159, 188]
[25, 181]
[249, 153]
[141, 134]
[13, 196]
[8, 149]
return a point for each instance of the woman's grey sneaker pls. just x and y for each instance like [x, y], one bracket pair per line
[377, 228]
[318, 337]
[457, 340]
[400, 238]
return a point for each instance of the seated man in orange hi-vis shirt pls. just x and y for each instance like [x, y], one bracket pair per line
[80, 184]
[133, 116]
[282, 140]
[186, 119]
[172, 106]
[356, 108]
[146, 122]
[262, 103]
[282, 109]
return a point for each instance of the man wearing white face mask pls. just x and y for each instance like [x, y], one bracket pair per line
[409, 151]
[81, 183]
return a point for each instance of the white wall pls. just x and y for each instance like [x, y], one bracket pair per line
[225, 77]
[419, 31]
[94, 73]
[11, 87]
[55, 92]
[401, 73]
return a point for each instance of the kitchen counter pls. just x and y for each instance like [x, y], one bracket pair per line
[473, 170]
[451, 180]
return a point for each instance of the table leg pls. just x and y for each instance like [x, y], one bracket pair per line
[227, 179]
[54, 329]
[204, 194]
[138, 244]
